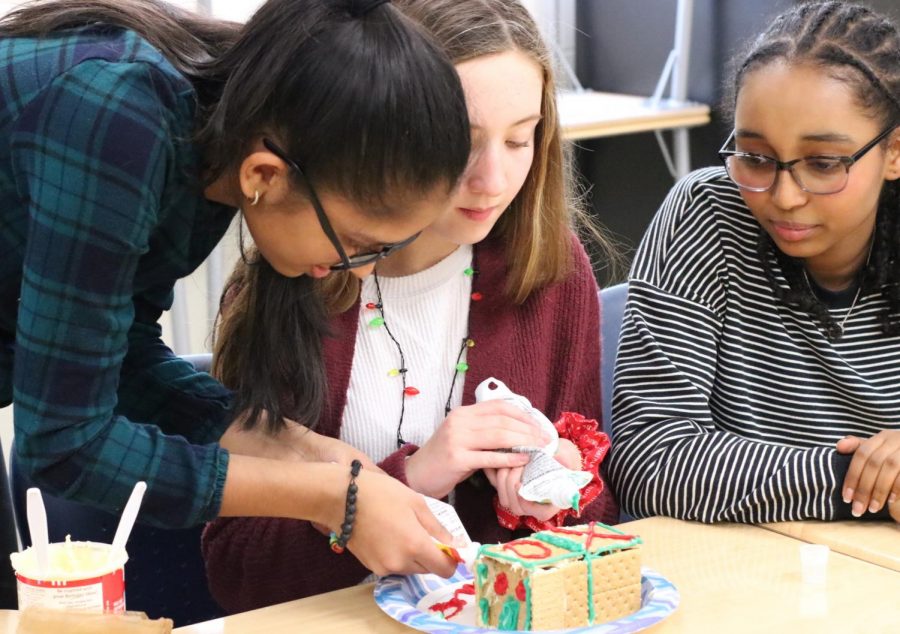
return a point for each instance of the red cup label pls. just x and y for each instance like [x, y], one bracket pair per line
[105, 593]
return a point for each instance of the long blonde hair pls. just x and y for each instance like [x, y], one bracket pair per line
[536, 227]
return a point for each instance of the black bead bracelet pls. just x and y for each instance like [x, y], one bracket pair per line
[339, 542]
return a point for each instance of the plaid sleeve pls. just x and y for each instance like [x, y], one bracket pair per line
[156, 386]
[90, 155]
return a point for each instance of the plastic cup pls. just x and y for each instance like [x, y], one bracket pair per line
[80, 577]
[814, 563]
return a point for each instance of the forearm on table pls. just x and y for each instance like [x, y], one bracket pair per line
[717, 477]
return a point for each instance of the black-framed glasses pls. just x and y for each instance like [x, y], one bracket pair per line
[347, 262]
[814, 174]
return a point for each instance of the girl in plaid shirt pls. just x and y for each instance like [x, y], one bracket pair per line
[132, 132]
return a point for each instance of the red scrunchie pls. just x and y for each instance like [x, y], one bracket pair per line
[593, 445]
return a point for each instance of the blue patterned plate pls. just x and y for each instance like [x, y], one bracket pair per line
[409, 599]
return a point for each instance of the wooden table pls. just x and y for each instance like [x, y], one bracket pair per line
[592, 114]
[875, 542]
[9, 620]
[732, 578]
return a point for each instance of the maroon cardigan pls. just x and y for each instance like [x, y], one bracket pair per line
[546, 349]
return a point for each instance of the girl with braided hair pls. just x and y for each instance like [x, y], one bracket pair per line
[758, 366]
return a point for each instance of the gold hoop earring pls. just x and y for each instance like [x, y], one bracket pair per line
[255, 198]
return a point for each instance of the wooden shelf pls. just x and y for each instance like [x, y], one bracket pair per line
[590, 114]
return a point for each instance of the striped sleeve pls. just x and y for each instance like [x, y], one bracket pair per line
[670, 455]
[90, 154]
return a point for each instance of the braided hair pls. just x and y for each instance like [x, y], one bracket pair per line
[861, 48]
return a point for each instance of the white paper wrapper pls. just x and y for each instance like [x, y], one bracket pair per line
[462, 547]
[449, 519]
[492, 390]
[544, 478]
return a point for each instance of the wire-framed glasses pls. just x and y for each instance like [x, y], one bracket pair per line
[347, 262]
[821, 174]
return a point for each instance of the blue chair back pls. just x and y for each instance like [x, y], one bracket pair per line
[612, 307]
[165, 575]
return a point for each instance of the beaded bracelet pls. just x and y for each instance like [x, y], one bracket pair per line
[338, 543]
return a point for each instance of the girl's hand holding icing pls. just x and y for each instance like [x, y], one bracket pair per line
[469, 440]
[874, 475]
[508, 481]
[393, 529]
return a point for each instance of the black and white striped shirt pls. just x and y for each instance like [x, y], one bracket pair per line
[727, 403]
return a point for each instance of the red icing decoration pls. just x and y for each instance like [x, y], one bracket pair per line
[590, 533]
[477, 297]
[501, 584]
[410, 391]
[520, 591]
[543, 554]
[456, 604]
[371, 306]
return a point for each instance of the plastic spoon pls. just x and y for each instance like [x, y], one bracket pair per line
[126, 522]
[37, 528]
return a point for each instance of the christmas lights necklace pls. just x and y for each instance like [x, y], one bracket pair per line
[408, 391]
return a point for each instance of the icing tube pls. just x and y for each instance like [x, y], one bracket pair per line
[463, 549]
[544, 479]
[547, 481]
[492, 389]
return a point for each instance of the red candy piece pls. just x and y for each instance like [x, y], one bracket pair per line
[410, 391]
[370, 306]
[477, 297]
[501, 584]
[520, 591]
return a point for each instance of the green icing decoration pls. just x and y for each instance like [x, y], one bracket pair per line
[509, 615]
[549, 537]
[560, 542]
[575, 550]
[527, 583]
[485, 607]
[576, 501]
[481, 571]
[528, 564]
[588, 560]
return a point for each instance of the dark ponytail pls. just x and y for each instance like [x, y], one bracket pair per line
[271, 378]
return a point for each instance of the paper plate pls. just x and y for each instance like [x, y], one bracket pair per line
[410, 600]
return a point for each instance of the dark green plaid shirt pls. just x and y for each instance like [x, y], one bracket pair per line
[101, 212]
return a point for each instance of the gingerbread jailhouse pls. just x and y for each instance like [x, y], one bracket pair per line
[559, 578]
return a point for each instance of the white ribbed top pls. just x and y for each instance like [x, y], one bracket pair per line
[428, 313]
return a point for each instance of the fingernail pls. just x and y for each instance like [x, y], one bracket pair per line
[874, 505]
[857, 509]
[892, 498]
[848, 495]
